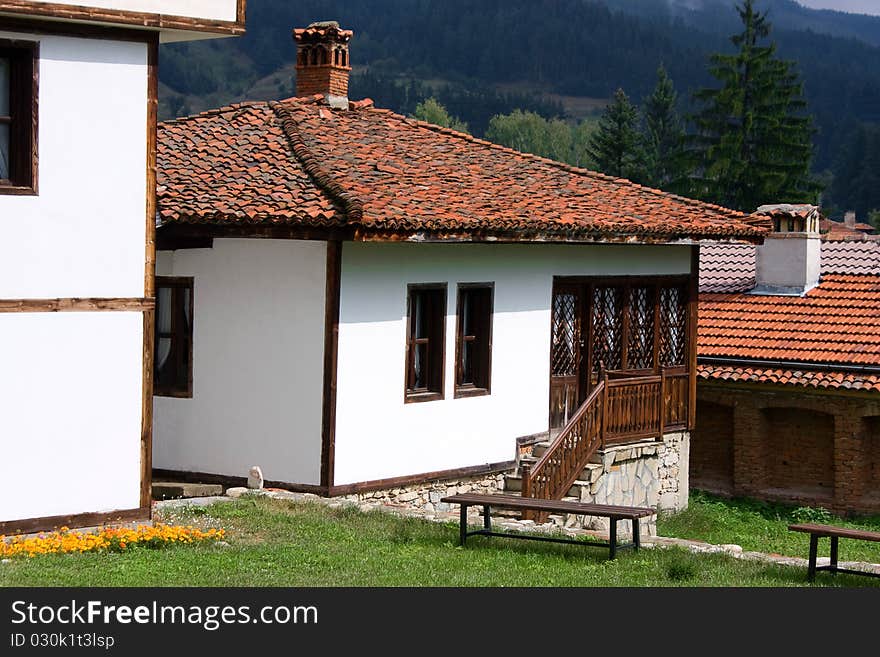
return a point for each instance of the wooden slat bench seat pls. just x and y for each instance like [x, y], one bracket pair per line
[835, 534]
[515, 502]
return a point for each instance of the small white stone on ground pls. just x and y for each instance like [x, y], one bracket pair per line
[255, 478]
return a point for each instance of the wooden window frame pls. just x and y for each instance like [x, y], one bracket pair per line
[470, 389]
[24, 95]
[175, 390]
[416, 395]
[627, 282]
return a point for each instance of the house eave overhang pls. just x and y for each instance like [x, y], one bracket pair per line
[284, 228]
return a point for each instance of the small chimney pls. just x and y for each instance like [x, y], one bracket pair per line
[322, 63]
[788, 262]
[850, 219]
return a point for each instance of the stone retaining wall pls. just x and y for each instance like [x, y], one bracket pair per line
[426, 496]
[652, 474]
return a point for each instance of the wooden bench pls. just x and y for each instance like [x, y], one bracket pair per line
[835, 534]
[515, 502]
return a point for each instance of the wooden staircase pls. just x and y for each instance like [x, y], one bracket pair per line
[621, 409]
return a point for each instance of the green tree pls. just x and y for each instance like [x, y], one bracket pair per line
[664, 135]
[616, 146]
[753, 141]
[529, 132]
[431, 111]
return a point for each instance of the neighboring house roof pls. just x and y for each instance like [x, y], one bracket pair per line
[730, 267]
[828, 338]
[851, 258]
[298, 162]
[838, 230]
[727, 267]
[787, 377]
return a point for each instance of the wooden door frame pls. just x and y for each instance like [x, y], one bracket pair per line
[583, 287]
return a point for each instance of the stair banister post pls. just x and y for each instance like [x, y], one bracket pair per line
[526, 487]
[604, 407]
[662, 423]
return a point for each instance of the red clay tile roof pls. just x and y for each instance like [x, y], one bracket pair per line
[837, 230]
[728, 267]
[234, 165]
[837, 322]
[804, 378]
[851, 258]
[300, 162]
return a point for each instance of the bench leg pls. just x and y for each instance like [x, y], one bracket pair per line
[834, 540]
[487, 519]
[814, 550]
[612, 539]
[637, 539]
[462, 525]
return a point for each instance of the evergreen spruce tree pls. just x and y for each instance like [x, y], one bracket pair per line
[664, 135]
[616, 147]
[753, 142]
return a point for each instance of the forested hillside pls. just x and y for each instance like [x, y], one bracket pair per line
[554, 57]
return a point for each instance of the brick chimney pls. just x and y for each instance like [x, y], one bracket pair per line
[789, 261]
[322, 63]
[849, 219]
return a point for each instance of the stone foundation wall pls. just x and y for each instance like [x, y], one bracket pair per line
[426, 496]
[653, 474]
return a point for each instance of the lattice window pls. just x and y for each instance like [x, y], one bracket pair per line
[565, 354]
[673, 326]
[607, 327]
[640, 343]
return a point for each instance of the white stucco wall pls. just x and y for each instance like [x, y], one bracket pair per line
[220, 10]
[377, 434]
[70, 413]
[258, 339]
[84, 234]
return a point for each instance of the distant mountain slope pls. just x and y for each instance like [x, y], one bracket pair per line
[574, 48]
[718, 16]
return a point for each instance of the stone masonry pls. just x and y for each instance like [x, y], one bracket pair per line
[426, 496]
[651, 473]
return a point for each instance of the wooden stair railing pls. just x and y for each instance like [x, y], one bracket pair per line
[561, 465]
[620, 409]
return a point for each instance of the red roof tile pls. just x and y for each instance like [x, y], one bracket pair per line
[805, 378]
[836, 322]
[299, 162]
[234, 165]
[729, 267]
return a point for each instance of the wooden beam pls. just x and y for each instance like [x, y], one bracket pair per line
[149, 274]
[52, 11]
[693, 318]
[331, 348]
[51, 523]
[232, 481]
[76, 305]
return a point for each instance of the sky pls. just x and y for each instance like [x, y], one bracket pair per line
[855, 6]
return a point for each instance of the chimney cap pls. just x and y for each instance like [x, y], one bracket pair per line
[803, 211]
[323, 30]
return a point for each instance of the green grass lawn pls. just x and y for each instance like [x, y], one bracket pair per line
[276, 543]
[763, 527]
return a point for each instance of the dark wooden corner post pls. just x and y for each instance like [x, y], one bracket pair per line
[331, 347]
[693, 317]
[149, 275]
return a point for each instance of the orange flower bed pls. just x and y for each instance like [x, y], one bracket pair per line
[109, 539]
